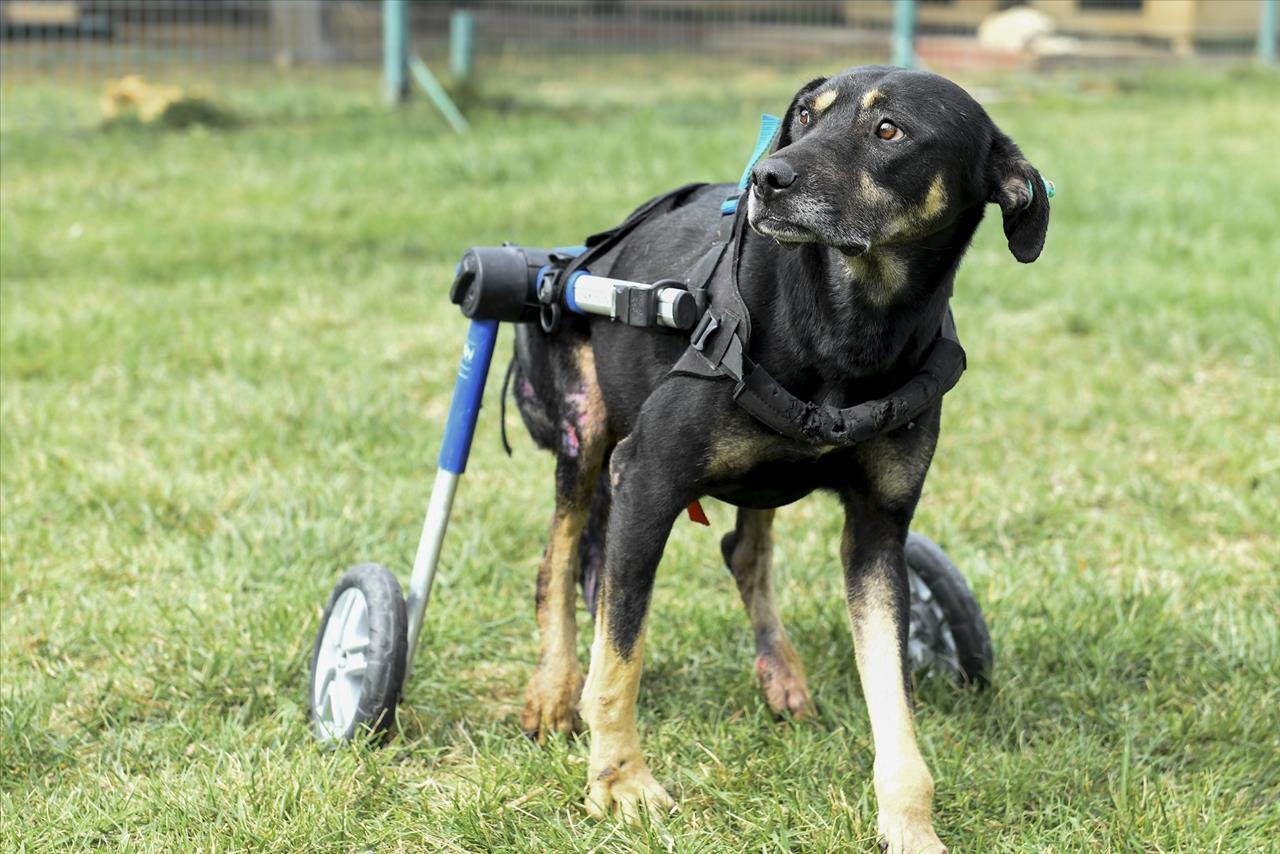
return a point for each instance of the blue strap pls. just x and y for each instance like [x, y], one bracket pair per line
[768, 130]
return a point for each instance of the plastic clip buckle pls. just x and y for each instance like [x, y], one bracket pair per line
[703, 330]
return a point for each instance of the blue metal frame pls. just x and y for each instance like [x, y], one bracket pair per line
[464, 410]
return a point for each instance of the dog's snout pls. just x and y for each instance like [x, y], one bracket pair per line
[774, 175]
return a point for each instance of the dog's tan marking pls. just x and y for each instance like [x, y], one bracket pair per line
[824, 100]
[870, 190]
[879, 273]
[593, 406]
[895, 472]
[916, 219]
[934, 200]
[734, 452]
[619, 780]
[778, 665]
[870, 99]
[904, 786]
[551, 698]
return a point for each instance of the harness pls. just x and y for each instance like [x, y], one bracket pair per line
[719, 344]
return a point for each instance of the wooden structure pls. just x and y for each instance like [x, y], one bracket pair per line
[1182, 24]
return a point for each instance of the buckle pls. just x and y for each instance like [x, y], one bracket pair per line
[703, 330]
[549, 284]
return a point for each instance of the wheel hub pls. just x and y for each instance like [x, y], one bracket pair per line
[341, 664]
[930, 643]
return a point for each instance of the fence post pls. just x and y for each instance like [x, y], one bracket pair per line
[462, 30]
[904, 31]
[1267, 32]
[395, 50]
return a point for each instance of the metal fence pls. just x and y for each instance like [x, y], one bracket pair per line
[112, 36]
[118, 35]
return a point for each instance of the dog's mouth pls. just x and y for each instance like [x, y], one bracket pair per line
[790, 234]
[787, 233]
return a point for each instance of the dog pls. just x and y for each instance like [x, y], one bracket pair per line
[859, 216]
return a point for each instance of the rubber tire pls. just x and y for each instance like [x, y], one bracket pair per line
[963, 614]
[388, 648]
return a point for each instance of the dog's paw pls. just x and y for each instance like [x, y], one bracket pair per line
[627, 790]
[551, 704]
[784, 686]
[909, 836]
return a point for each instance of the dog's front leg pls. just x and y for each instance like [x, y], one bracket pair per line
[645, 504]
[877, 595]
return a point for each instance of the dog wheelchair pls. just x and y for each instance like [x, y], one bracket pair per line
[369, 631]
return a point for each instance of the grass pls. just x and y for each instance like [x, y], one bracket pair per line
[226, 357]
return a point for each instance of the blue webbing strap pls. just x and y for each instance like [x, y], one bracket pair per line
[768, 130]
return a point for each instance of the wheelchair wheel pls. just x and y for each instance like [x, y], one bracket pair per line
[948, 633]
[358, 664]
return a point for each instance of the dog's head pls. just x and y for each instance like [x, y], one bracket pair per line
[880, 156]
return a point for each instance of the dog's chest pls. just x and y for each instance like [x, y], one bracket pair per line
[766, 471]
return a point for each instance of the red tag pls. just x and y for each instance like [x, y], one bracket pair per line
[696, 513]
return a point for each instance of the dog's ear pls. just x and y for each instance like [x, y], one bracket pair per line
[784, 136]
[1016, 186]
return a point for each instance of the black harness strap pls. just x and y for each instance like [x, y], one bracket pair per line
[766, 400]
[725, 319]
[600, 243]
[719, 345]
[700, 276]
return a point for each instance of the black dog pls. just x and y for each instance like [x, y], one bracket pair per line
[859, 217]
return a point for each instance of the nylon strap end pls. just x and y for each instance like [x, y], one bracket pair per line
[769, 126]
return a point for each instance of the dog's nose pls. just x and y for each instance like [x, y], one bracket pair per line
[774, 176]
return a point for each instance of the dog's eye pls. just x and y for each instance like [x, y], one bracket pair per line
[888, 130]
[804, 117]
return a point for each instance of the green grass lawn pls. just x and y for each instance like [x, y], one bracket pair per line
[226, 358]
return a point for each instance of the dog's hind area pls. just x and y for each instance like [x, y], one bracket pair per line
[560, 401]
